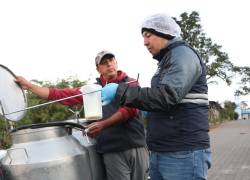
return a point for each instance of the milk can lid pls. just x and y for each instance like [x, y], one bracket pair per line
[12, 96]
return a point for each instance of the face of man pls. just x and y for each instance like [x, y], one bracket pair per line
[108, 68]
[153, 43]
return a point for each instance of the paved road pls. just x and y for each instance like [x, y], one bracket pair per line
[231, 151]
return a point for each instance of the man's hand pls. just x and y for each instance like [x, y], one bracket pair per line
[108, 93]
[42, 92]
[23, 82]
[94, 129]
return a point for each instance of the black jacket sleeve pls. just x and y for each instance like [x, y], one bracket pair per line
[149, 99]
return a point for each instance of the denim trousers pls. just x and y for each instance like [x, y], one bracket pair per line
[181, 165]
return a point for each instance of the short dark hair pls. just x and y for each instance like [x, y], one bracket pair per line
[165, 36]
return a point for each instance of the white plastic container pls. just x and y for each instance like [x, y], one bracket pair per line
[92, 101]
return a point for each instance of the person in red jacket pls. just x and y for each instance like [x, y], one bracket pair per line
[119, 135]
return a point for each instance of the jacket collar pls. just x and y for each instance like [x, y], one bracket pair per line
[120, 76]
[164, 50]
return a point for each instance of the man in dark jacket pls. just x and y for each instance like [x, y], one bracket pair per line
[177, 104]
[119, 135]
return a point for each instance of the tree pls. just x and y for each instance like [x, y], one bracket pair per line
[243, 105]
[244, 73]
[217, 62]
[229, 108]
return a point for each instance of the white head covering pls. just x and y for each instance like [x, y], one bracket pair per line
[162, 23]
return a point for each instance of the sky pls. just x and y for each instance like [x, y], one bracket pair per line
[55, 39]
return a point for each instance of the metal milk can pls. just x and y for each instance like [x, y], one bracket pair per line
[46, 153]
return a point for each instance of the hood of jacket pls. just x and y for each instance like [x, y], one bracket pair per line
[120, 76]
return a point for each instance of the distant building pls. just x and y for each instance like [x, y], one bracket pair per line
[242, 108]
[238, 106]
[245, 114]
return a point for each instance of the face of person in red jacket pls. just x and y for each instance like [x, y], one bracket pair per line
[108, 68]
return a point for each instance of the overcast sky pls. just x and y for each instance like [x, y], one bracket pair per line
[56, 39]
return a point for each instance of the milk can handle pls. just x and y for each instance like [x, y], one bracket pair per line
[11, 149]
